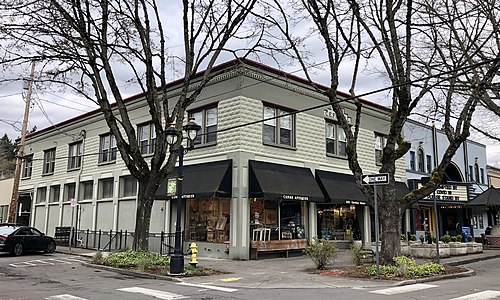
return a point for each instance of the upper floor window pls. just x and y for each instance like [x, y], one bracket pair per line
[280, 131]
[207, 119]
[482, 175]
[105, 188]
[27, 166]
[421, 162]
[429, 164]
[471, 173]
[147, 138]
[380, 142]
[476, 171]
[86, 190]
[335, 139]
[55, 191]
[49, 161]
[412, 160]
[41, 194]
[69, 191]
[128, 186]
[108, 148]
[75, 155]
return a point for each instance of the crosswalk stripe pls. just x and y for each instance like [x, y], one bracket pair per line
[484, 295]
[65, 297]
[155, 293]
[404, 289]
[210, 287]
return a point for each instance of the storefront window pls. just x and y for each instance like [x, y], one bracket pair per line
[277, 220]
[207, 220]
[337, 222]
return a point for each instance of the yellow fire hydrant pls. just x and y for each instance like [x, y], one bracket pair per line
[194, 250]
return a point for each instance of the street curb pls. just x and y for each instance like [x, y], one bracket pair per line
[471, 260]
[132, 273]
[467, 273]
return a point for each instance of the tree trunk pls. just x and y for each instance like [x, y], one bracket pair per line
[390, 222]
[145, 200]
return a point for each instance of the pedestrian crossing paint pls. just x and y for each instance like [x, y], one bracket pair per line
[484, 295]
[46, 262]
[404, 289]
[154, 293]
[210, 287]
[65, 297]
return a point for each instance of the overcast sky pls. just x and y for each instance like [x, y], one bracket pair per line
[51, 108]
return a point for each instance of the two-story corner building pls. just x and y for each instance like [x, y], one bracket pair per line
[465, 179]
[493, 176]
[5, 195]
[281, 181]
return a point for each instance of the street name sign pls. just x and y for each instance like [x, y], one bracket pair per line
[382, 178]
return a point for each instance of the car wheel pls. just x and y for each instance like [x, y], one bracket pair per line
[18, 249]
[51, 247]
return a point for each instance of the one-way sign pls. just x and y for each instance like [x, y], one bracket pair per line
[382, 178]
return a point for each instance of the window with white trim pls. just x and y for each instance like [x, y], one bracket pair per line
[421, 162]
[335, 139]
[380, 142]
[429, 164]
[128, 186]
[41, 194]
[69, 191]
[147, 138]
[86, 190]
[207, 119]
[105, 188]
[75, 155]
[412, 160]
[55, 191]
[279, 131]
[108, 148]
[27, 166]
[49, 161]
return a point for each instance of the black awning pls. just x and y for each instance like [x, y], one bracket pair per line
[281, 182]
[340, 188]
[201, 180]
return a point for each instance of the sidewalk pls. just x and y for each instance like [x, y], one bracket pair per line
[292, 272]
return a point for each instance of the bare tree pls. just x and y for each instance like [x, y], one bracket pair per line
[445, 52]
[94, 40]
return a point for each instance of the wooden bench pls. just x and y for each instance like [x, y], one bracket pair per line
[277, 246]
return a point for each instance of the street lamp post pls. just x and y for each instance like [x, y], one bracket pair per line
[173, 136]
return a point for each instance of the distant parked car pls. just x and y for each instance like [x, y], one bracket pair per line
[18, 239]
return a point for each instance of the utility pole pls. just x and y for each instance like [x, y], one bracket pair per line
[20, 154]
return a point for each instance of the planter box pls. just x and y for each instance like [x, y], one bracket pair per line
[405, 249]
[458, 249]
[474, 248]
[429, 250]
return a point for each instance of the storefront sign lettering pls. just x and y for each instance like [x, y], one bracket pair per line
[448, 192]
[295, 197]
[185, 196]
[355, 202]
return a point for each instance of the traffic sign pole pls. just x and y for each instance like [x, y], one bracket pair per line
[377, 254]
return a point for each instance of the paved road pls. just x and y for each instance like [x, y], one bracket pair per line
[59, 276]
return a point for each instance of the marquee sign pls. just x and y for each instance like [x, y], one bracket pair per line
[449, 192]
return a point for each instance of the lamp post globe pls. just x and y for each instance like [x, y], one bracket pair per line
[173, 135]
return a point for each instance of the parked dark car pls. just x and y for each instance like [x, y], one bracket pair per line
[18, 239]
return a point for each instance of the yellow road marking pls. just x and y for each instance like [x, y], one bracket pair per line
[230, 279]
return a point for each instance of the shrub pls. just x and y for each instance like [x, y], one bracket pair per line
[459, 238]
[97, 258]
[422, 239]
[413, 237]
[403, 237]
[446, 238]
[453, 239]
[406, 267]
[321, 252]
[469, 238]
[140, 259]
[356, 253]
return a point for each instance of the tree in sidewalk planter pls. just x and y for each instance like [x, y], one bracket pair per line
[441, 60]
[322, 252]
[7, 157]
[103, 50]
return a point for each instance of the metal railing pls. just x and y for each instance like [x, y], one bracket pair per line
[103, 240]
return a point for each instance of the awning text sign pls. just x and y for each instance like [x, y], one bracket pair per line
[382, 178]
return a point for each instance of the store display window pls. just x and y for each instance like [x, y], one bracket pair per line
[337, 222]
[277, 220]
[207, 220]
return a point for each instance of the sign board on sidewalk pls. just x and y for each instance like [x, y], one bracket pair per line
[382, 178]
